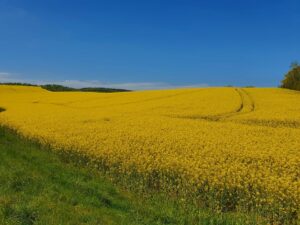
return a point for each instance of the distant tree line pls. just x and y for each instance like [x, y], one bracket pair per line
[292, 78]
[56, 87]
[18, 84]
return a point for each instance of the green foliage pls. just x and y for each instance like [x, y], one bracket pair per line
[96, 89]
[292, 78]
[18, 84]
[56, 87]
[294, 64]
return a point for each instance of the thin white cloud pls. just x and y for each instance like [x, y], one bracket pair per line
[6, 77]
[126, 85]
[4, 74]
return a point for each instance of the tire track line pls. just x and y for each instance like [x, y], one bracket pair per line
[247, 105]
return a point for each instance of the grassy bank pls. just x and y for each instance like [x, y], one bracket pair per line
[37, 187]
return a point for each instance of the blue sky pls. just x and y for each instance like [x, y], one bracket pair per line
[148, 44]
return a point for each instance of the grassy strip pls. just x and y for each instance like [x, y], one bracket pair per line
[38, 187]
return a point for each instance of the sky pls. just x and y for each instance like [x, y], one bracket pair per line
[153, 44]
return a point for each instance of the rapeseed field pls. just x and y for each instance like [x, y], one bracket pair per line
[227, 149]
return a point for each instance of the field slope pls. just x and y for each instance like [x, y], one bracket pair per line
[224, 149]
[39, 187]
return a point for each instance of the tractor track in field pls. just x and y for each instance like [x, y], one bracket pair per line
[247, 105]
[68, 104]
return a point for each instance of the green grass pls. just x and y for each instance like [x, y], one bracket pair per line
[38, 187]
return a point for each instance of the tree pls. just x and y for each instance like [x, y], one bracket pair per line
[292, 78]
[294, 64]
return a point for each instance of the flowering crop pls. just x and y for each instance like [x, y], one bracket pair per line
[225, 148]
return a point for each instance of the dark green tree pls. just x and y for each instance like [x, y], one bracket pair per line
[292, 78]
